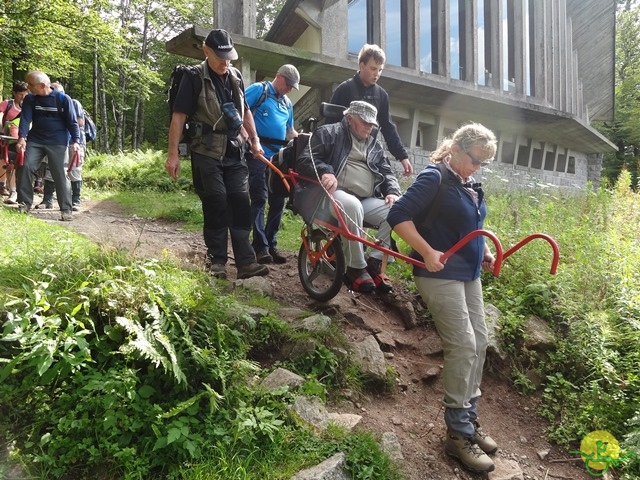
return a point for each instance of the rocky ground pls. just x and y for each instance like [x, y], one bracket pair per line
[413, 413]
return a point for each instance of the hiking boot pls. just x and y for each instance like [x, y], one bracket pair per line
[12, 199]
[45, 205]
[75, 206]
[251, 270]
[277, 256]
[263, 257]
[468, 453]
[382, 282]
[217, 270]
[359, 280]
[484, 441]
[66, 216]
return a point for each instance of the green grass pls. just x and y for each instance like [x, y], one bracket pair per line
[139, 368]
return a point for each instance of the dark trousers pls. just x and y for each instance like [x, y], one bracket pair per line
[264, 235]
[222, 188]
[58, 161]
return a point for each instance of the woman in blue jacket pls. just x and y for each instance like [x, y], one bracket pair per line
[452, 290]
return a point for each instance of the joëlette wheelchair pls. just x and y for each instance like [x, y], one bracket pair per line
[321, 260]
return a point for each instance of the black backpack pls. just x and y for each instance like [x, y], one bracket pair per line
[284, 160]
[174, 85]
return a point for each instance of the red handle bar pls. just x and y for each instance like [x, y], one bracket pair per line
[343, 229]
[275, 169]
[552, 242]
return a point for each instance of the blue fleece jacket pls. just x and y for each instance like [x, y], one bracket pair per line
[457, 216]
[49, 121]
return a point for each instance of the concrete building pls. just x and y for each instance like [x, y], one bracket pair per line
[537, 72]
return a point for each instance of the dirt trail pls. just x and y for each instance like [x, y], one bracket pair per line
[414, 413]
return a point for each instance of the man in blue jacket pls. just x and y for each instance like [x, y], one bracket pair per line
[47, 122]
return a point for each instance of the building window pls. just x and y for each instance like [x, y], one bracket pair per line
[426, 54]
[357, 18]
[482, 68]
[454, 39]
[531, 72]
[394, 36]
[508, 66]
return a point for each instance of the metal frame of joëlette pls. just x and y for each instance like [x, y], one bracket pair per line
[4, 151]
[342, 230]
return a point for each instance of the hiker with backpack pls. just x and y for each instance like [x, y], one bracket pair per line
[47, 122]
[10, 111]
[210, 99]
[273, 115]
[364, 86]
[452, 290]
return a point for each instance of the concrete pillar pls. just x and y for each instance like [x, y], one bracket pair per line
[441, 40]
[331, 19]
[410, 18]
[378, 23]
[499, 147]
[570, 81]
[408, 130]
[577, 92]
[549, 33]
[470, 47]
[540, 50]
[556, 154]
[557, 74]
[530, 151]
[238, 16]
[496, 44]
[564, 54]
[521, 53]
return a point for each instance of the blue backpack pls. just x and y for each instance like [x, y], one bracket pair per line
[89, 127]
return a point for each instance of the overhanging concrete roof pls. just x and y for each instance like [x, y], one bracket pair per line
[427, 92]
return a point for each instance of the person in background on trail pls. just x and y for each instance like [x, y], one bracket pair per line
[52, 118]
[350, 164]
[76, 159]
[273, 115]
[452, 290]
[9, 119]
[214, 102]
[364, 86]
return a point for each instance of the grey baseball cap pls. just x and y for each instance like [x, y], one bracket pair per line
[364, 110]
[291, 75]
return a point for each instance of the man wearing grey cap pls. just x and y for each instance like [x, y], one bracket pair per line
[212, 99]
[349, 162]
[273, 114]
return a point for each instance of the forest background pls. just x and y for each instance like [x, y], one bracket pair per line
[111, 56]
